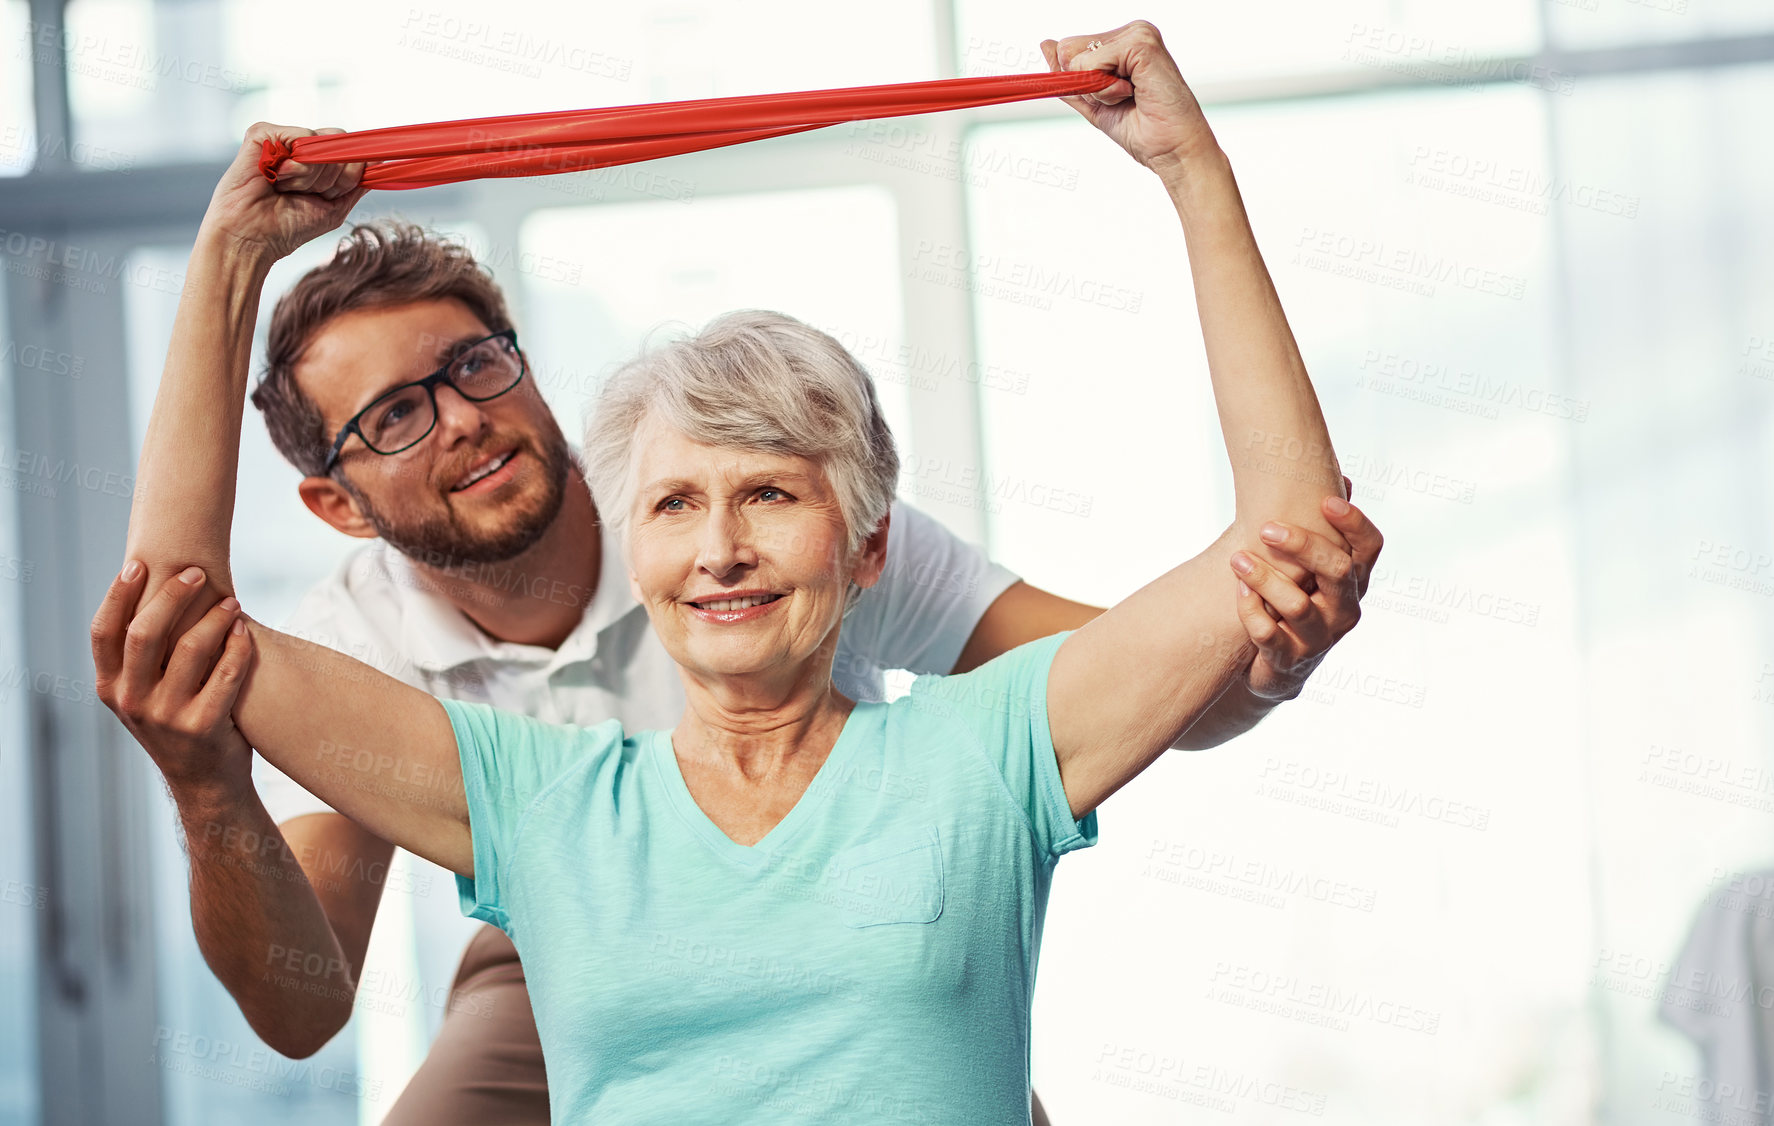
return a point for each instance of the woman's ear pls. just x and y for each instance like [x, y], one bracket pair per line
[327, 499]
[872, 558]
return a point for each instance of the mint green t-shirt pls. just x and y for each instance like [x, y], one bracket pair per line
[871, 959]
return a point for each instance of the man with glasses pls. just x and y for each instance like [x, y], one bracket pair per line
[479, 370]
[395, 383]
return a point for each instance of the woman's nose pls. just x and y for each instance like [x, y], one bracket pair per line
[726, 543]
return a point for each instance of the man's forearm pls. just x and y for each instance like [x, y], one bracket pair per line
[261, 927]
[184, 502]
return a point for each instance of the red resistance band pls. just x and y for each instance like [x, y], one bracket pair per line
[541, 144]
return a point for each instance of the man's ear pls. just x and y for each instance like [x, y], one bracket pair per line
[872, 559]
[327, 499]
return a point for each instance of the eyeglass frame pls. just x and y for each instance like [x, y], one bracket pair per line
[429, 383]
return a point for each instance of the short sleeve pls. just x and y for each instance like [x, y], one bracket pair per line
[509, 762]
[933, 591]
[1002, 707]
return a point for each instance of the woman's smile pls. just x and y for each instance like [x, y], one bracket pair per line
[735, 606]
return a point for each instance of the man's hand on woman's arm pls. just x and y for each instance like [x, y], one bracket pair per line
[381, 752]
[1319, 582]
[269, 903]
[1298, 611]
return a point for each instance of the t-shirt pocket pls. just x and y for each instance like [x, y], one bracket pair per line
[895, 880]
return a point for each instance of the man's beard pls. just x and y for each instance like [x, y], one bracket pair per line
[441, 541]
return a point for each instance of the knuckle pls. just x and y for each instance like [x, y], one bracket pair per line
[185, 726]
[135, 638]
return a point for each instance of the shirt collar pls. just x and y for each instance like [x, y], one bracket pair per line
[438, 637]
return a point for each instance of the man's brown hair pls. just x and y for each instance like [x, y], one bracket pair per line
[383, 263]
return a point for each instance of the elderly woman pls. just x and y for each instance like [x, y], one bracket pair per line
[790, 906]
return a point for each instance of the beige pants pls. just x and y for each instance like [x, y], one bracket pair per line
[486, 1063]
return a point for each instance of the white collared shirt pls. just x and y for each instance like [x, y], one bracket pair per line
[378, 607]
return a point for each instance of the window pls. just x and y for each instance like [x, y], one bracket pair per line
[23, 898]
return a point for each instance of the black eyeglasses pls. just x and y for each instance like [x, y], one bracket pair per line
[400, 419]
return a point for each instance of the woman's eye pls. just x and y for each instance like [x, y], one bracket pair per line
[772, 494]
[671, 504]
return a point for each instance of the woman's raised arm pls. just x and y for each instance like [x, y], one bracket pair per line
[1124, 686]
[350, 734]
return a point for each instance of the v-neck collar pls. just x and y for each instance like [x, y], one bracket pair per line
[665, 762]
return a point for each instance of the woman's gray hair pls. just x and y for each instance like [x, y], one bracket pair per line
[750, 380]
